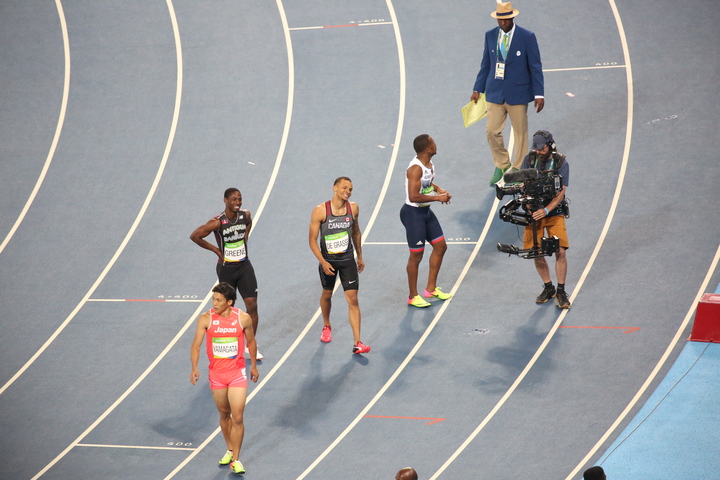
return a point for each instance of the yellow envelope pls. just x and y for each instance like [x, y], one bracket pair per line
[472, 112]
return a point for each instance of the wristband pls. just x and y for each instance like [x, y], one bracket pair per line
[546, 212]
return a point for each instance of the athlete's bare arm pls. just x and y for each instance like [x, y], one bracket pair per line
[357, 236]
[318, 216]
[246, 323]
[249, 225]
[203, 324]
[198, 236]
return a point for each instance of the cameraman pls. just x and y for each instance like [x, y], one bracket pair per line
[548, 161]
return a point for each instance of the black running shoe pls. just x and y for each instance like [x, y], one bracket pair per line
[562, 299]
[547, 294]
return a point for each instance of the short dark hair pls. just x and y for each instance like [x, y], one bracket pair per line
[594, 473]
[226, 290]
[340, 179]
[421, 143]
[230, 191]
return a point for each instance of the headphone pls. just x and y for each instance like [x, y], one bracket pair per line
[549, 141]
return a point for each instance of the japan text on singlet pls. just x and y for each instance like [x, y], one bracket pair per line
[426, 182]
[225, 342]
[335, 235]
[230, 237]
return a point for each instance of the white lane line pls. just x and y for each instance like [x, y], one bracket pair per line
[171, 136]
[133, 447]
[281, 152]
[58, 128]
[674, 341]
[388, 175]
[655, 371]
[317, 27]
[405, 243]
[128, 236]
[160, 300]
[588, 266]
[599, 67]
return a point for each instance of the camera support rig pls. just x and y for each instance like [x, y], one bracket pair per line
[531, 190]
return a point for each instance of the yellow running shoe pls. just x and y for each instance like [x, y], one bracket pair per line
[437, 294]
[237, 467]
[418, 301]
[227, 458]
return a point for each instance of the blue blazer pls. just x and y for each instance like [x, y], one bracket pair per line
[523, 69]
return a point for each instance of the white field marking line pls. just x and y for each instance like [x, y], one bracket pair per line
[582, 68]
[135, 447]
[176, 115]
[141, 301]
[128, 236]
[405, 243]
[420, 342]
[369, 24]
[586, 271]
[58, 128]
[281, 153]
[672, 344]
[440, 312]
[308, 326]
[655, 370]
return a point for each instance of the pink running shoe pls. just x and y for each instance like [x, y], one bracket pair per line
[360, 347]
[326, 334]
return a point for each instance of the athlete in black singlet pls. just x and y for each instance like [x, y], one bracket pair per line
[336, 223]
[231, 229]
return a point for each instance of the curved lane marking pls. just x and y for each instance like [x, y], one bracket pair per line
[684, 323]
[371, 221]
[655, 371]
[171, 136]
[58, 128]
[588, 266]
[127, 238]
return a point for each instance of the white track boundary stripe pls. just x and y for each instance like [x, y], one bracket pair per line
[588, 266]
[132, 447]
[138, 218]
[655, 370]
[58, 128]
[308, 326]
[421, 341]
[171, 136]
[281, 153]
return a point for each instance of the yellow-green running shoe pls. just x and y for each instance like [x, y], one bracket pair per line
[237, 467]
[437, 294]
[227, 458]
[418, 301]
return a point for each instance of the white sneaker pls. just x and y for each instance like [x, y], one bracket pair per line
[259, 355]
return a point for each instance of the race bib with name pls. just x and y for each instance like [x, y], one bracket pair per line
[337, 242]
[235, 252]
[225, 347]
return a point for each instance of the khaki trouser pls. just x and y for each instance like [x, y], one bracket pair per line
[496, 117]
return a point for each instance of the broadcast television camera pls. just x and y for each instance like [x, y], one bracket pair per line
[531, 191]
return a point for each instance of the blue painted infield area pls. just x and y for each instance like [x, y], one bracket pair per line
[676, 432]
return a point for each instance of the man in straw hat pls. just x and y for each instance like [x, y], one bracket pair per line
[510, 77]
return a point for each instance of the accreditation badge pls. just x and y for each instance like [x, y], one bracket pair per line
[500, 71]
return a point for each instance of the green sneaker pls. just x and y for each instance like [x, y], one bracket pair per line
[418, 301]
[237, 467]
[227, 458]
[437, 294]
[497, 176]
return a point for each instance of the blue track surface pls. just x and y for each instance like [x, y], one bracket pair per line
[170, 102]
